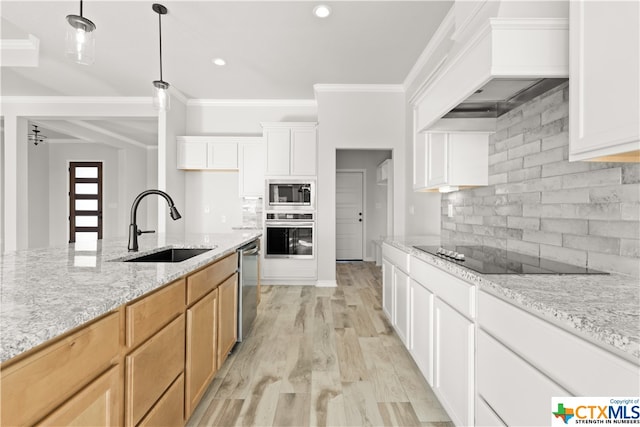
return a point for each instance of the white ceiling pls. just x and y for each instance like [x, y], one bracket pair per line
[274, 50]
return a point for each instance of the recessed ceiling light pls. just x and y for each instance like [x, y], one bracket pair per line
[219, 62]
[322, 11]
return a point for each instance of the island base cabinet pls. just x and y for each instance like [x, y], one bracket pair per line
[454, 361]
[98, 404]
[401, 305]
[387, 289]
[152, 368]
[201, 364]
[34, 386]
[169, 411]
[228, 317]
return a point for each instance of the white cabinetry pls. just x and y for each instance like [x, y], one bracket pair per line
[395, 300]
[505, 353]
[421, 328]
[204, 152]
[252, 163]
[291, 148]
[444, 161]
[383, 171]
[604, 80]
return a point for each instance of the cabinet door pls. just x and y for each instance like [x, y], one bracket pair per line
[421, 328]
[151, 369]
[604, 64]
[228, 317]
[303, 151]
[387, 289]
[201, 358]
[252, 165]
[192, 155]
[222, 155]
[98, 404]
[278, 148]
[437, 159]
[454, 350]
[169, 411]
[401, 304]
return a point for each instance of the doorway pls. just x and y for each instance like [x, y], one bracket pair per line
[85, 201]
[349, 215]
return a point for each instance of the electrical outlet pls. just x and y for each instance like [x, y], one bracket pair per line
[207, 209]
[223, 219]
[450, 210]
[412, 210]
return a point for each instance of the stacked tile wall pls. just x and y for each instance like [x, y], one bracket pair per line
[539, 203]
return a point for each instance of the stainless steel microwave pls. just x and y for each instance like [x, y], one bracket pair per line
[290, 194]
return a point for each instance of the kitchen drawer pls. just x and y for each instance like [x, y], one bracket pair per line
[151, 368]
[561, 355]
[455, 292]
[35, 385]
[150, 314]
[169, 411]
[516, 391]
[397, 257]
[201, 283]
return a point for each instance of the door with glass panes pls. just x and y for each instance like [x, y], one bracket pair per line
[85, 201]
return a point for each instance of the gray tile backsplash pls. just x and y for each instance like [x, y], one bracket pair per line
[539, 203]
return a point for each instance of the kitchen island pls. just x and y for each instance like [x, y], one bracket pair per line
[497, 348]
[91, 339]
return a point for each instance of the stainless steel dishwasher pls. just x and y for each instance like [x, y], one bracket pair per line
[248, 256]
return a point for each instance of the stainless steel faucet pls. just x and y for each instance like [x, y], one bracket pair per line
[133, 227]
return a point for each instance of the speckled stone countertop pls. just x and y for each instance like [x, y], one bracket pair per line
[47, 292]
[602, 308]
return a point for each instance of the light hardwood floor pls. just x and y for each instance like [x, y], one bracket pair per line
[321, 357]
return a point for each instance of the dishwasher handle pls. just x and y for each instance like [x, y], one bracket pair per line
[250, 249]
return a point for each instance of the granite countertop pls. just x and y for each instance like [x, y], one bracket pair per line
[47, 292]
[602, 308]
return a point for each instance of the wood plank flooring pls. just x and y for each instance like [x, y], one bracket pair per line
[321, 357]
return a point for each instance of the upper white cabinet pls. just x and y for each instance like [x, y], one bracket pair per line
[206, 152]
[444, 161]
[383, 171]
[251, 158]
[291, 148]
[604, 81]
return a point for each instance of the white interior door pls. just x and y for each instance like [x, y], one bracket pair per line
[349, 215]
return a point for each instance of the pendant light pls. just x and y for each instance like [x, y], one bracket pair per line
[35, 137]
[80, 43]
[161, 93]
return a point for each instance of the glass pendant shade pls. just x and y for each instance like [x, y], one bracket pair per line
[161, 98]
[80, 40]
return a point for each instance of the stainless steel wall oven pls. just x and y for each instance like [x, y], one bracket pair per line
[289, 235]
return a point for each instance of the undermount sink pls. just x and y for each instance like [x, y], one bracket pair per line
[169, 255]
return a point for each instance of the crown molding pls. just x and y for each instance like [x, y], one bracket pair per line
[444, 31]
[75, 100]
[364, 88]
[252, 103]
[20, 52]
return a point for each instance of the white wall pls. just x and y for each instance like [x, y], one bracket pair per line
[171, 124]
[243, 118]
[375, 210]
[38, 188]
[355, 120]
[212, 203]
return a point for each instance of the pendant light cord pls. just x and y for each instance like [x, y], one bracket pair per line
[160, 31]
[81, 8]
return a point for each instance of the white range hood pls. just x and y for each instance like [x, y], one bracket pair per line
[497, 50]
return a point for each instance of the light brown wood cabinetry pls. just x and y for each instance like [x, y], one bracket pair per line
[148, 315]
[227, 317]
[201, 360]
[151, 368]
[35, 385]
[98, 404]
[169, 411]
[207, 279]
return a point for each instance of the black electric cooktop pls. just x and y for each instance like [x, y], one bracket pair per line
[488, 260]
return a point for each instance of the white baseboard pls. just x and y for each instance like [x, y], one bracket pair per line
[369, 259]
[326, 284]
